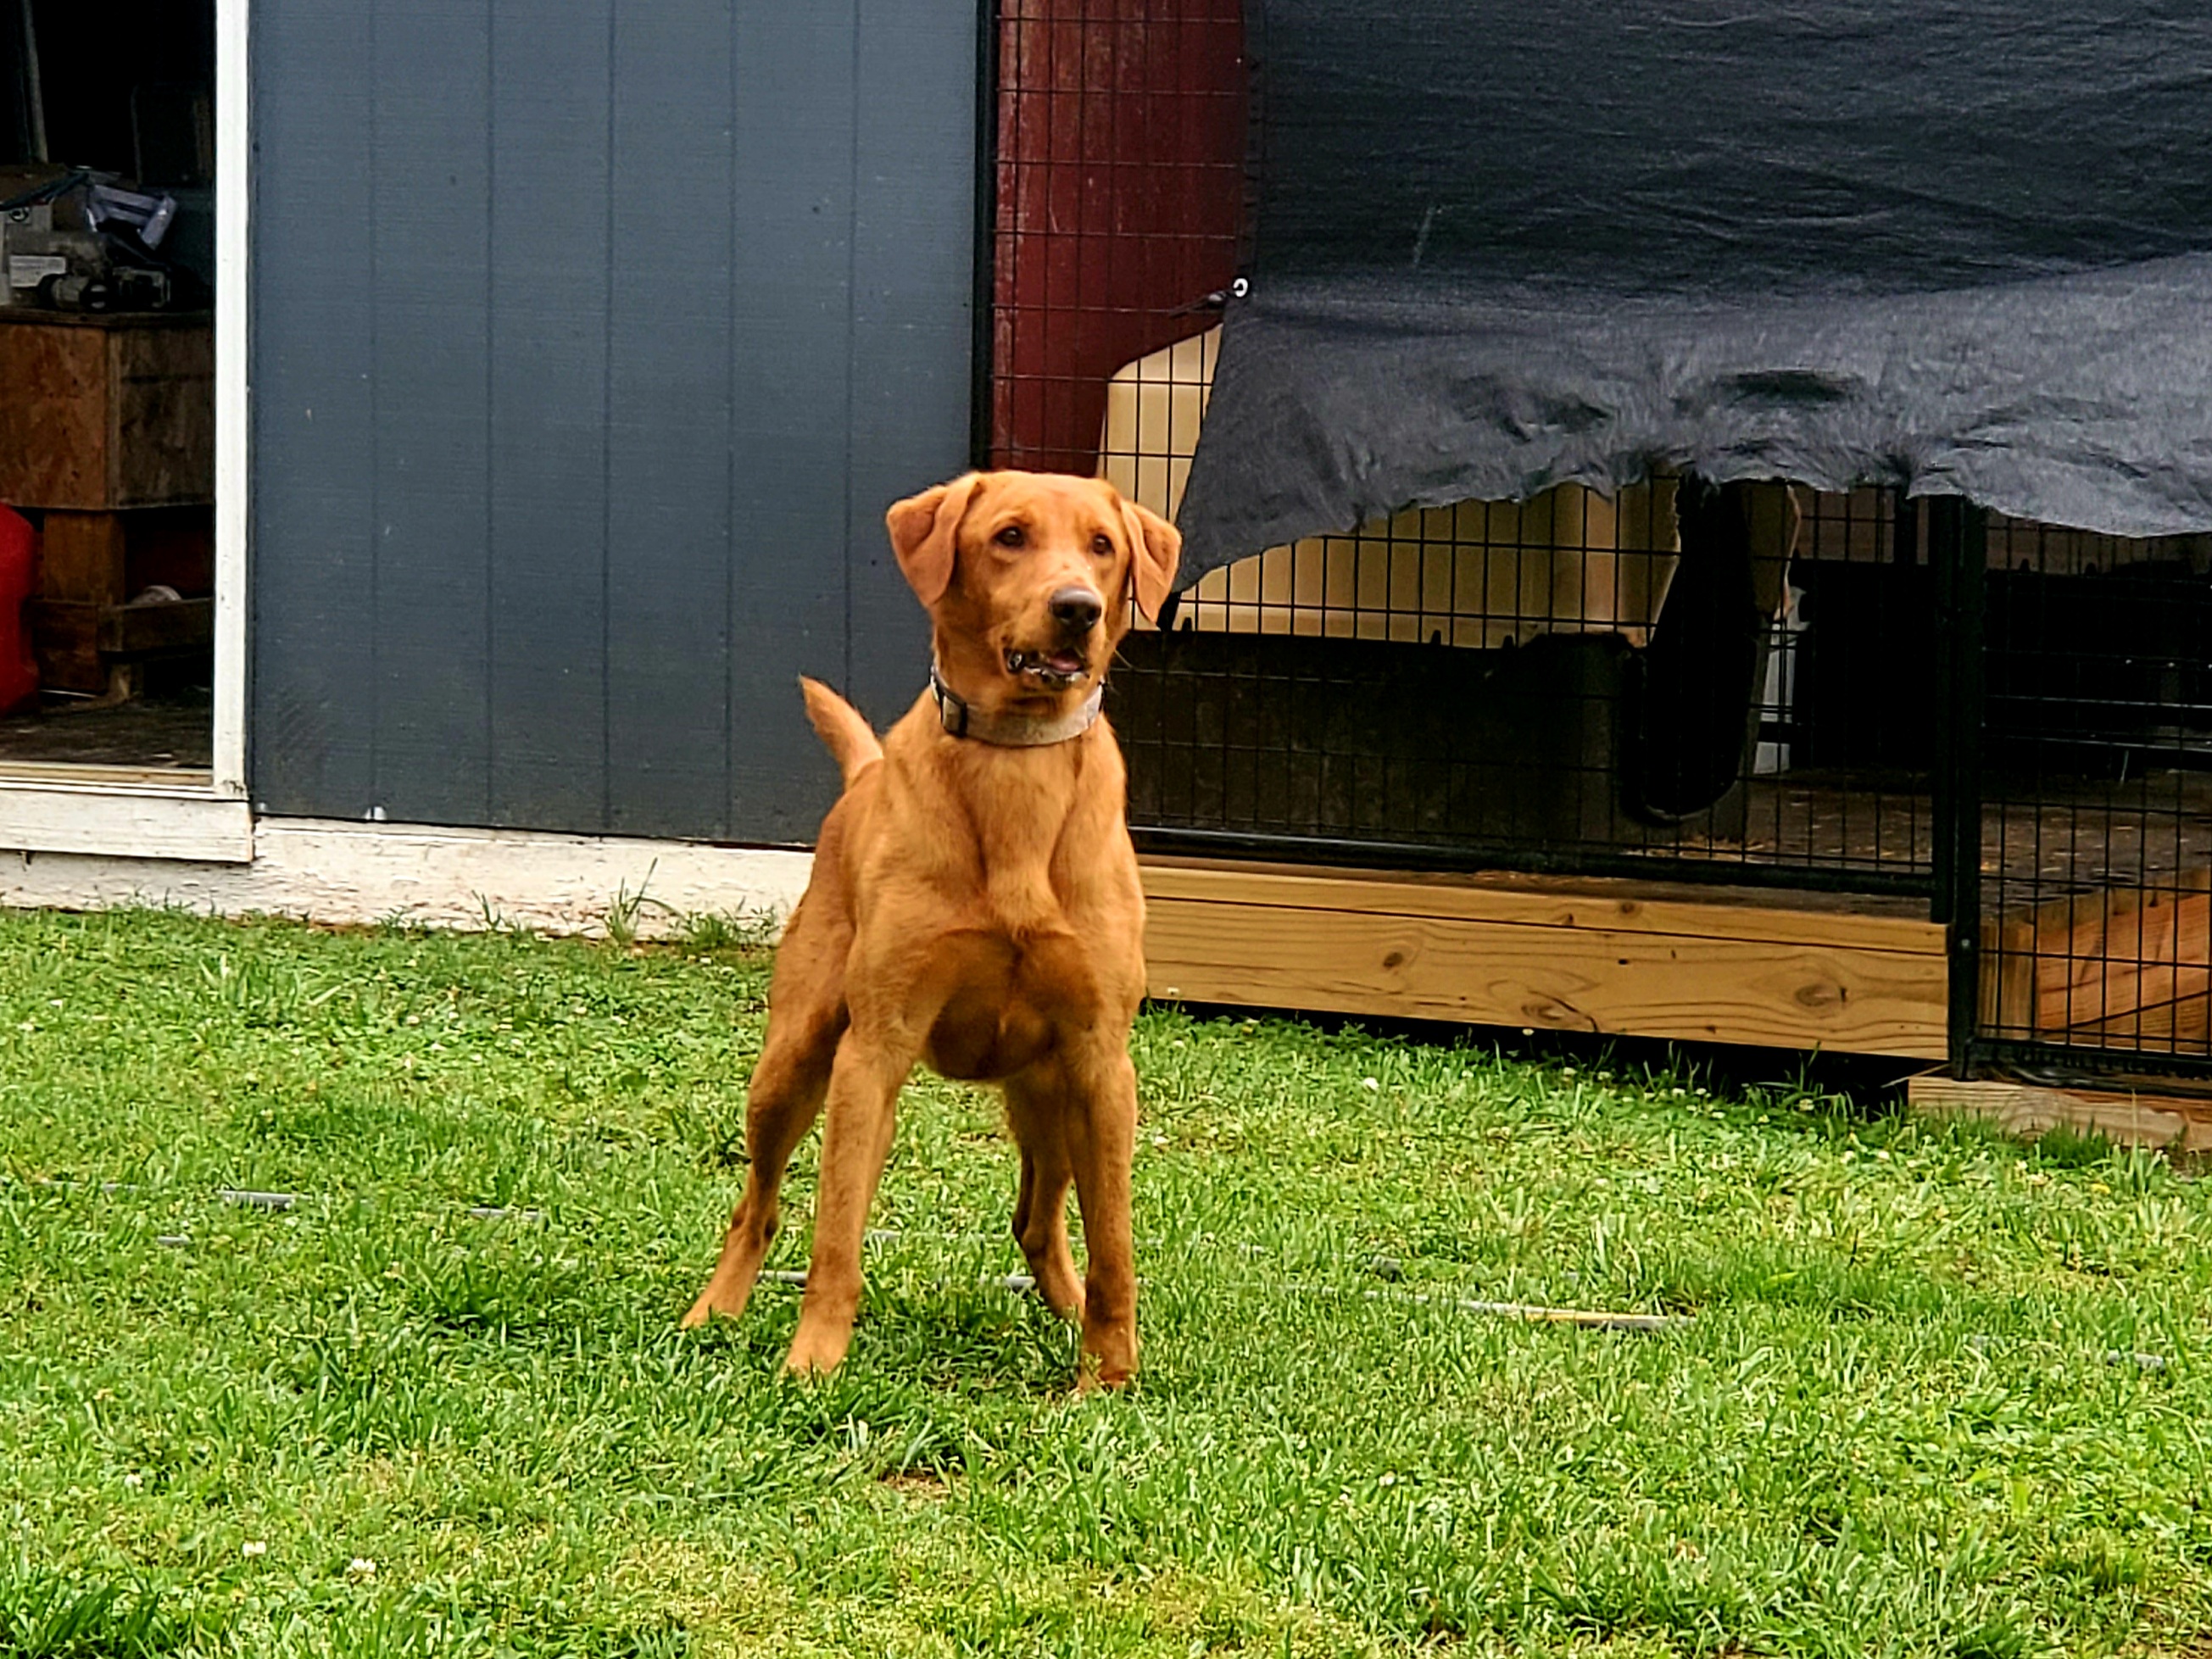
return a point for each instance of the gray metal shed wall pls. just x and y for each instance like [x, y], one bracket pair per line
[589, 341]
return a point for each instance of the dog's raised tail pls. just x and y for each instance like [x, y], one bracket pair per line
[843, 732]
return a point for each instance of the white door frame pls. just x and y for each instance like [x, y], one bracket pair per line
[55, 813]
[234, 199]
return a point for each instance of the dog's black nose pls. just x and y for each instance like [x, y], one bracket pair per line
[1076, 609]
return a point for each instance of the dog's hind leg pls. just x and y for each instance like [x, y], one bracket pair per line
[805, 1019]
[1034, 1101]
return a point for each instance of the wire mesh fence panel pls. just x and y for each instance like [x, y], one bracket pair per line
[1688, 681]
[2098, 799]
[1119, 183]
[1572, 681]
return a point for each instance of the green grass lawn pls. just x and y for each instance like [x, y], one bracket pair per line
[1937, 1394]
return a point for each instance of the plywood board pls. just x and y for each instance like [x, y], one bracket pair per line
[82, 557]
[1708, 912]
[53, 422]
[107, 412]
[2183, 1025]
[2135, 949]
[1549, 959]
[162, 436]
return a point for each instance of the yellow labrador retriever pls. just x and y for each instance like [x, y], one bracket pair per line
[975, 905]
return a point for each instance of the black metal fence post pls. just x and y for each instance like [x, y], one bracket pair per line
[982, 367]
[1958, 541]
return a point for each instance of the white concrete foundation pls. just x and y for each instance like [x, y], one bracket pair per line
[329, 871]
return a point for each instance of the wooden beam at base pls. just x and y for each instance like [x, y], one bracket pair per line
[171, 821]
[2173, 1122]
[1619, 958]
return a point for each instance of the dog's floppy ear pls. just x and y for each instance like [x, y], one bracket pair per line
[1155, 549]
[923, 528]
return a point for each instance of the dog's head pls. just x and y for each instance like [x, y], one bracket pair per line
[1027, 576]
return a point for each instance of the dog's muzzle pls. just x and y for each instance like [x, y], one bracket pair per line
[1056, 670]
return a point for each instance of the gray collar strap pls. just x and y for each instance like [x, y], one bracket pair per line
[962, 719]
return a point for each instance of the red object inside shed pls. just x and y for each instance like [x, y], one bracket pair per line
[19, 674]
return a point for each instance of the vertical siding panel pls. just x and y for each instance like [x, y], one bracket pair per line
[790, 370]
[549, 301]
[572, 440]
[914, 286]
[309, 729]
[430, 71]
[669, 530]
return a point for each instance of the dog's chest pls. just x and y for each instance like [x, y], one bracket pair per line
[1036, 865]
[1042, 957]
[1009, 1000]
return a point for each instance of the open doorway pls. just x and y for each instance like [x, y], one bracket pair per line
[107, 430]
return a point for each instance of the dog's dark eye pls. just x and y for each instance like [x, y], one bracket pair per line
[1010, 537]
[1103, 546]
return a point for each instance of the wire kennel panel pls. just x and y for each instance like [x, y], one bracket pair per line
[1479, 684]
[1119, 184]
[1562, 728]
[2097, 802]
[1559, 684]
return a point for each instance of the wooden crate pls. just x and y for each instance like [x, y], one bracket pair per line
[1619, 958]
[91, 565]
[80, 645]
[107, 412]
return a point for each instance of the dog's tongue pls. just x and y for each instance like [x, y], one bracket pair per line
[1064, 662]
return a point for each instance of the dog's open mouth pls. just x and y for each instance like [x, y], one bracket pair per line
[1054, 670]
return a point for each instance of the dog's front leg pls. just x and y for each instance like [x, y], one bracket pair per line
[1036, 1112]
[871, 1063]
[1101, 1126]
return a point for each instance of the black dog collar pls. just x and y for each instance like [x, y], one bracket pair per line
[962, 719]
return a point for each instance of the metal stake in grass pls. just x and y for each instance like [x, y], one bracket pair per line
[1533, 1313]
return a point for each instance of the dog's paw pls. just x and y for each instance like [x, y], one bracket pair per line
[811, 1359]
[1094, 1378]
